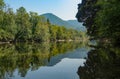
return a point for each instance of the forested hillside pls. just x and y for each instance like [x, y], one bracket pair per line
[74, 24]
[24, 26]
[77, 25]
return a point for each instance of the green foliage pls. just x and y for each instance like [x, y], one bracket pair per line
[2, 4]
[40, 29]
[24, 26]
[7, 25]
[107, 20]
[55, 20]
[101, 18]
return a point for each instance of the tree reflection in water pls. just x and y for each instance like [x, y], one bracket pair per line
[24, 57]
[102, 63]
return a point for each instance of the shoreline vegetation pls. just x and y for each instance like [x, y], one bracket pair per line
[23, 26]
[70, 40]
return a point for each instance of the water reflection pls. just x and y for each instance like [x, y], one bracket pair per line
[66, 69]
[102, 63]
[28, 61]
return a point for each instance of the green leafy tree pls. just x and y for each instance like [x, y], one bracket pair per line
[53, 33]
[2, 4]
[101, 17]
[23, 24]
[107, 20]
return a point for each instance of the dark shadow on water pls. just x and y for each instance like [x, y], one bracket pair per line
[102, 63]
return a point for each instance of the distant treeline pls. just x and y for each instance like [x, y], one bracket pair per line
[24, 26]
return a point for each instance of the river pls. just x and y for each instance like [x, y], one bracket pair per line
[103, 62]
[42, 61]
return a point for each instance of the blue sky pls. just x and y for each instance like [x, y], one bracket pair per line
[65, 9]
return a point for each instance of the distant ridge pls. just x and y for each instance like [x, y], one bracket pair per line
[68, 24]
[77, 25]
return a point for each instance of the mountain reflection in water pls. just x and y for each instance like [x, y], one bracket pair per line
[46, 61]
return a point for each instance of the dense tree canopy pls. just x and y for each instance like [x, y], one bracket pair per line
[2, 4]
[101, 17]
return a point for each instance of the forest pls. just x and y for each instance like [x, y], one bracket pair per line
[23, 26]
[102, 19]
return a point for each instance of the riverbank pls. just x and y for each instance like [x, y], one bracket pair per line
[62, 40]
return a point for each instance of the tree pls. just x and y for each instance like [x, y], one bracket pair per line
[86, 13]
[40, 29]
[23, 25]
[101, 18]
[41, 33]
[107, 20]
[53, 33]
[2, 4]
[34, 19]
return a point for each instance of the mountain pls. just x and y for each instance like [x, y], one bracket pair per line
[77, 25]
[68, 24]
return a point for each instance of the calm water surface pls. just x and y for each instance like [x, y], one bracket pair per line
[102, 63]
[42, 61]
